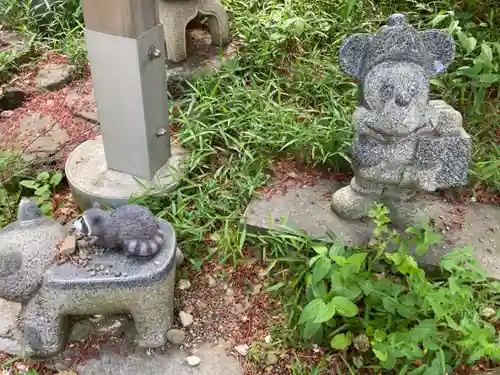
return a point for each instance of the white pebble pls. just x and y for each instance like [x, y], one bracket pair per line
[186, 319]
[183, 284]
[193, 360]
[242, 350]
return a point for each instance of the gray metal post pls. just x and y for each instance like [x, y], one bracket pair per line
[125, 42]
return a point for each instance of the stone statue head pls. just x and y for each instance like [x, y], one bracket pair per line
[394, 66]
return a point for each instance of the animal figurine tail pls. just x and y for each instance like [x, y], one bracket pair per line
[145, 248]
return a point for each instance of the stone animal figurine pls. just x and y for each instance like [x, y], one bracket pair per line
[403, 141]
[132, 228]
[50, 292]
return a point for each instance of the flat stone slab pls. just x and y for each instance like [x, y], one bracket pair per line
[80, 100]
[41, 133]
[308, 208]
[214, 361]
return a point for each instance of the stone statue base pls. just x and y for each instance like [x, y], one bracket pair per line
[352, 202]
[309, 208]
[175, 16]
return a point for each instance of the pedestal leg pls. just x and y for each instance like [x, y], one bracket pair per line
[43, 329]
[218, 23]
[152, 324]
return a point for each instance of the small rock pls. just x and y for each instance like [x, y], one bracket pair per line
[52, 77]
[68, 246]
[256, 289]
[149, 351]
[193, 361]
[242, 350]
[80, 330]
[211, 281]
[186, 319]
[184, 284]
[6, 114]
[271, 359]
[179, 257]
[176, 336]
[93, 273]
[230, 292]
[488, 312]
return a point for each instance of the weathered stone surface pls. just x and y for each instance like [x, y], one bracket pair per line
[404, 142]
[81, 101]
[8, 318]
[477, 225]
[52, 77]
[80, 330]
[41, 133]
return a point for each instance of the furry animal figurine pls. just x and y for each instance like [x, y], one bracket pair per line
[132, 228]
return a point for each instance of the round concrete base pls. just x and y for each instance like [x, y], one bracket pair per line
[91, 181]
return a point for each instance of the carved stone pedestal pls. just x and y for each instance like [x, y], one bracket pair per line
[176, 14]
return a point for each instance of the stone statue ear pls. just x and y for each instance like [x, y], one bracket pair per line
[97, 205]
[441, 46]
[352, 54]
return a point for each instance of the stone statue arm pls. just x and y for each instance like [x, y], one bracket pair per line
[447, 121]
